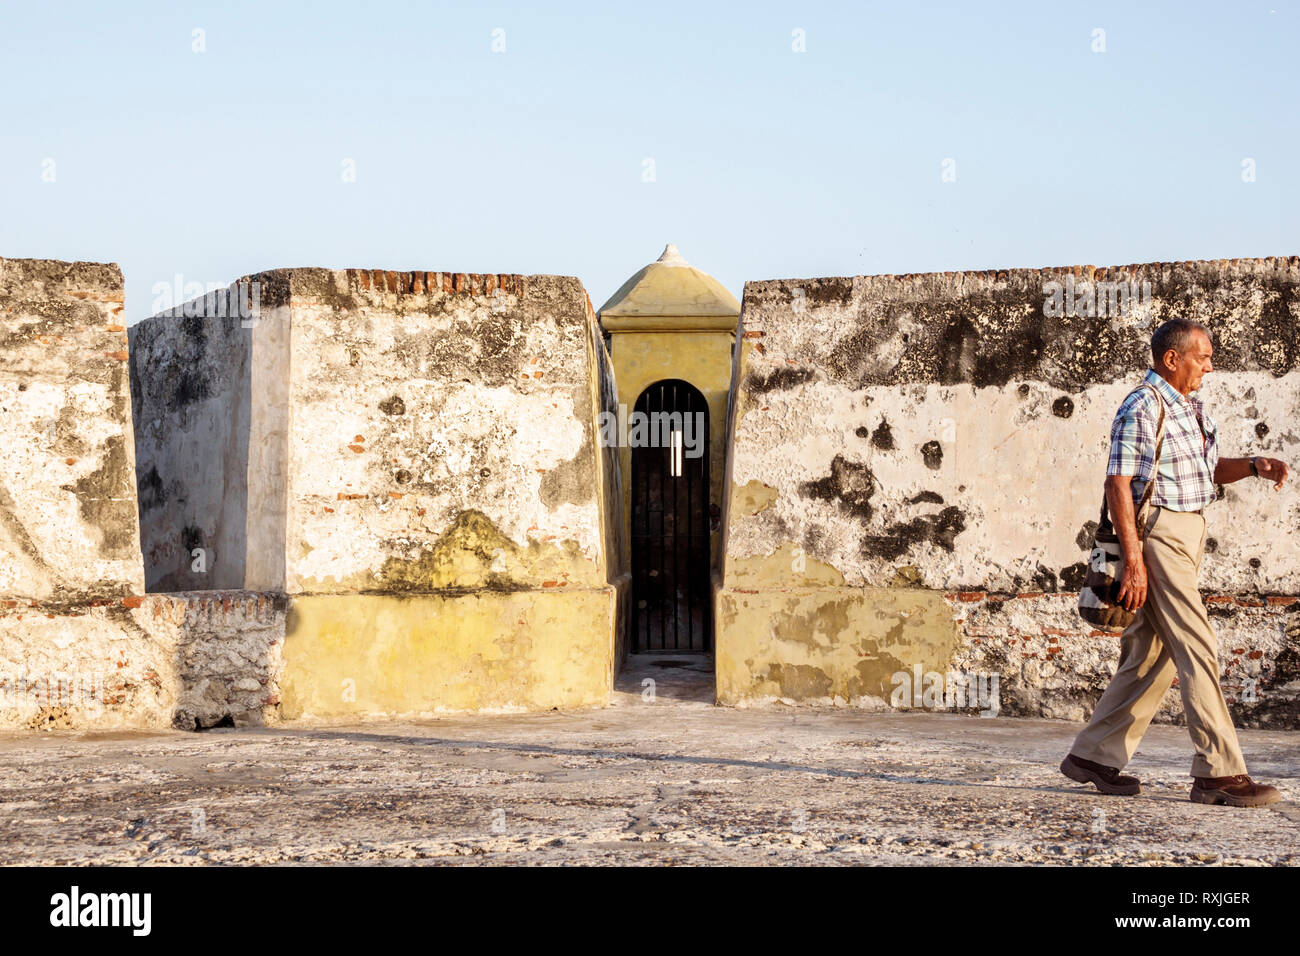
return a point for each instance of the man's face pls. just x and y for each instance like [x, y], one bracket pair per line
[1186, 371]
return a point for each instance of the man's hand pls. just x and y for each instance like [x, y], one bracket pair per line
[1274, 471]
[1133, 584]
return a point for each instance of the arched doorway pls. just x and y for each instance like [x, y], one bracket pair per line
[671, 589]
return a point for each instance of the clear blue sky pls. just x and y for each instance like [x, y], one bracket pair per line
[768, 163]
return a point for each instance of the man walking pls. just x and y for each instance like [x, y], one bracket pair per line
[1171, 633]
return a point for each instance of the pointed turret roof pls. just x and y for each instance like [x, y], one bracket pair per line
[670, 288]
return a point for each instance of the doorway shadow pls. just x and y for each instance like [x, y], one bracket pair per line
[682, 676]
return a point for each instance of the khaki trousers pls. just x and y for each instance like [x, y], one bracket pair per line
[1171, 634]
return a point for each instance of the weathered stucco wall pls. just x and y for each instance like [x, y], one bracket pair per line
[402, 505]
[80, 647]
[611, 495]
[443, 443]
[396, 434]
[940, 432]
[442, 434]
[209, 383]
[67, 469]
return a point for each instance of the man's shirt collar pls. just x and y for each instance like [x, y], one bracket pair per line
[1172, 396]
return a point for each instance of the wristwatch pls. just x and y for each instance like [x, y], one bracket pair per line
[1254, 467]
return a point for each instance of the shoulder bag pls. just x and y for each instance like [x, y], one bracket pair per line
[1099, 600]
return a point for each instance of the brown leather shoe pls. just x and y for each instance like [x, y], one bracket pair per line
[1106, 779]
[1237, 791]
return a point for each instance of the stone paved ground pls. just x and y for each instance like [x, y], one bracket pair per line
[676, 781]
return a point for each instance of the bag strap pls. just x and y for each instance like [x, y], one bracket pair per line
[1142, 508]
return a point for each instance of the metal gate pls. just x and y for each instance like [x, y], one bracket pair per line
[671, 591]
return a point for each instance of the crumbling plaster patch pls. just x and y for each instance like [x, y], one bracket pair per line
[412, 407]
[1022, 482]
[67, 477]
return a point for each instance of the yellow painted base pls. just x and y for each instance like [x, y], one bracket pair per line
[391, 655]
[827, 644]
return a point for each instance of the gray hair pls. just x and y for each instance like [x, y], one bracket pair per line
[1175, 334]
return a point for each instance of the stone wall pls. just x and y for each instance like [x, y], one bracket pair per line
[399, 436]
[1052, 665]
[208, 390]
[611, 497]
[178, 660]
[933, 434]
[381, 493]
[416, 406]
[68, 529]
[442, 434]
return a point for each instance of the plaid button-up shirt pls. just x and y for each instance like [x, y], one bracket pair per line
[1191, 451]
